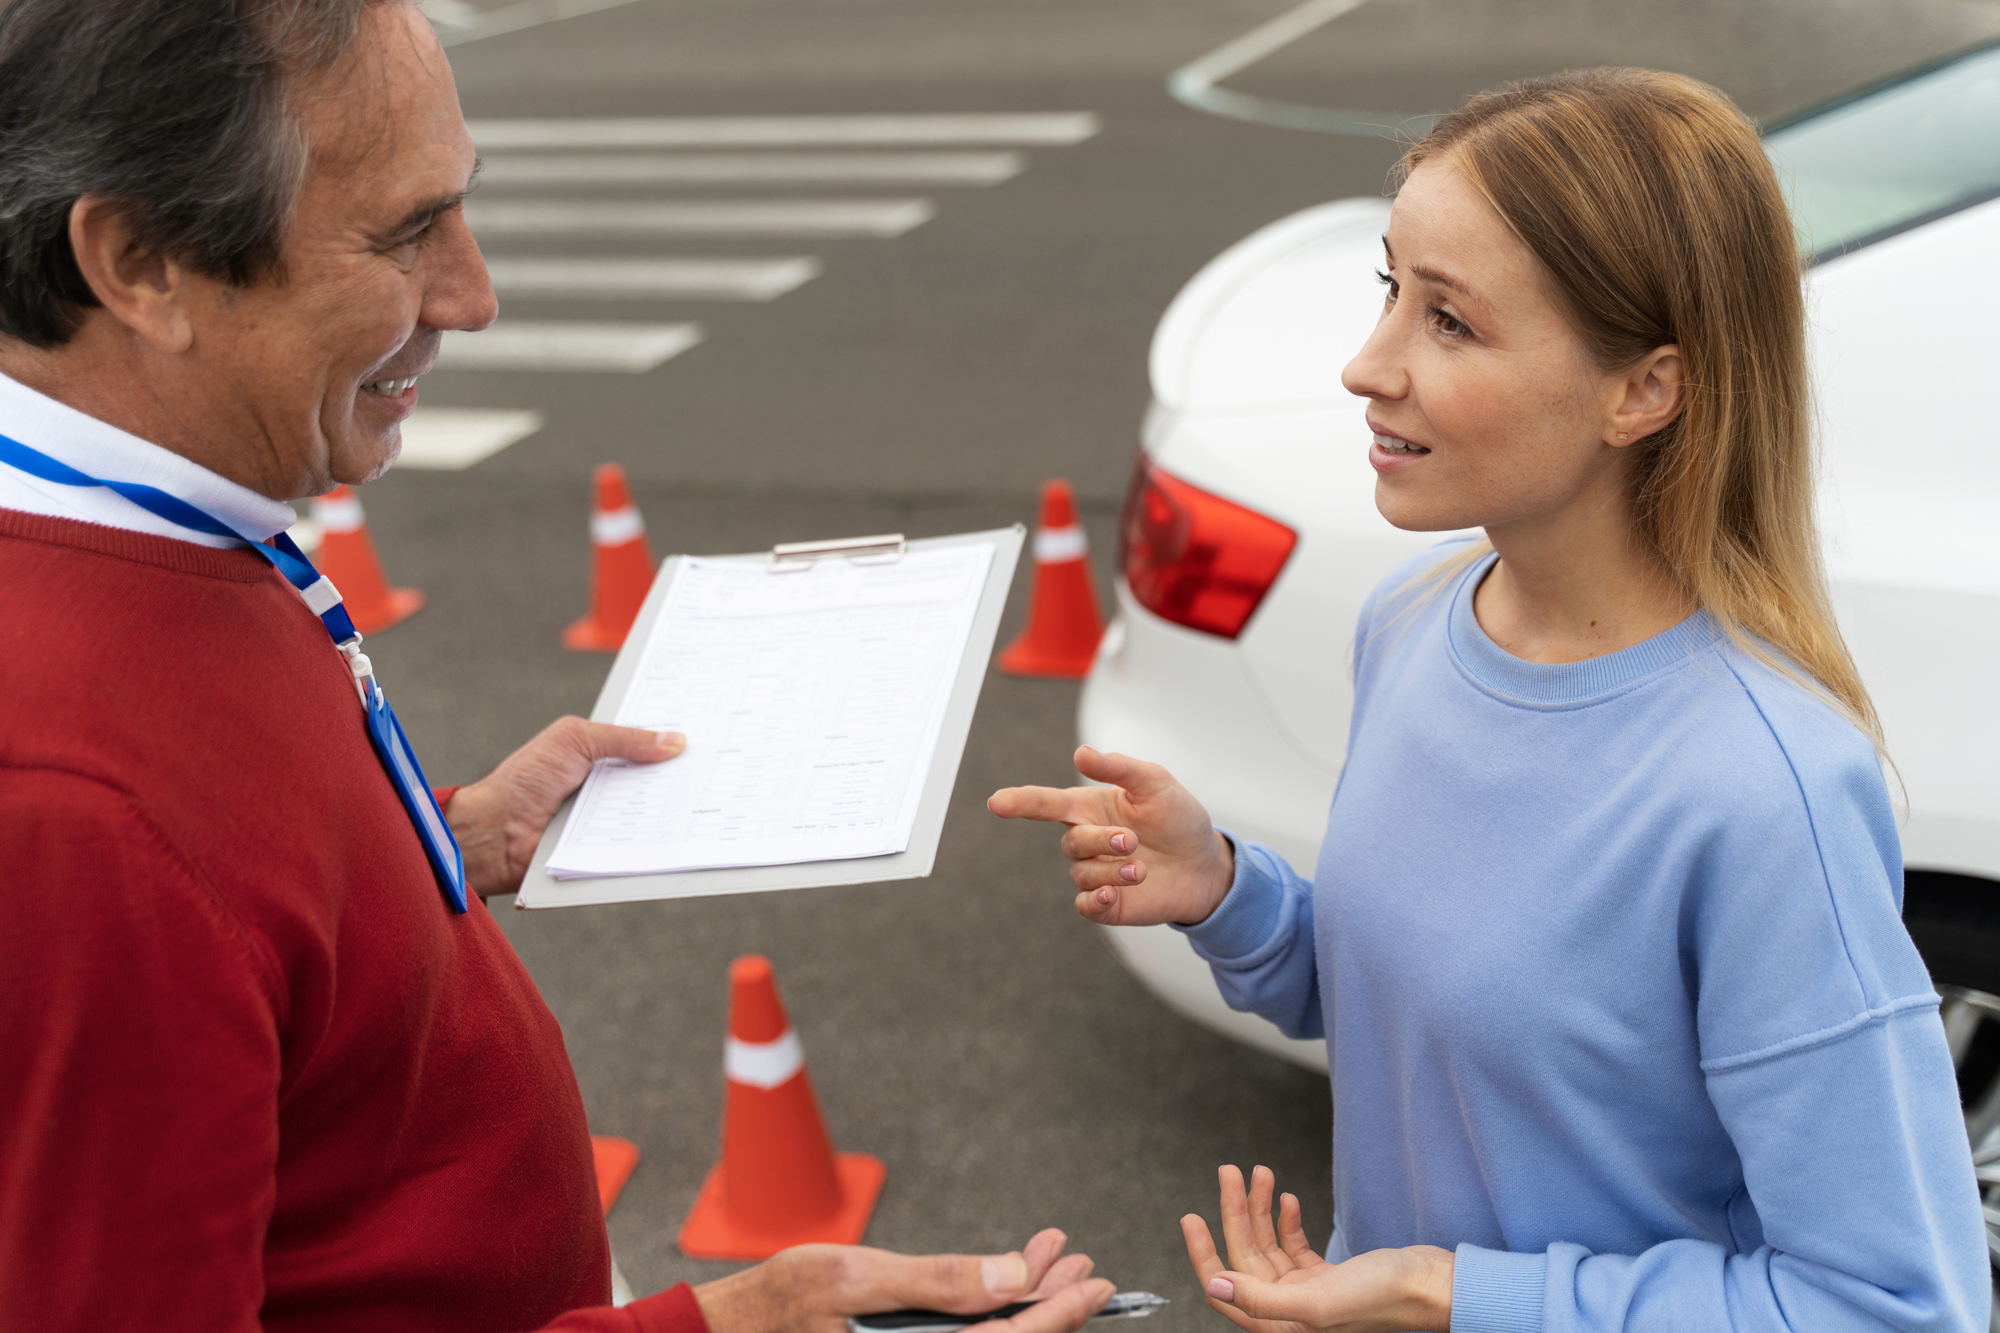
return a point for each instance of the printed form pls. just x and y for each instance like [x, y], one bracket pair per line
[812, 703]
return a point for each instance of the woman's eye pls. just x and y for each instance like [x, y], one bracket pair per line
[1389, 282]
[1447, 322]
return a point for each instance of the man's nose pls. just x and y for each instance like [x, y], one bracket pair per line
[459, 294]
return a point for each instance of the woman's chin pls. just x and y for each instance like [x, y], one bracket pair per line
[1413, 514]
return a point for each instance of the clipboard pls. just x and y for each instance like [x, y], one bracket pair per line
[539, 889]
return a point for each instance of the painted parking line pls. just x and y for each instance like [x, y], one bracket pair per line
[451, 439]
[686, 279]
[569, 346]
[1044, 129]
[719, 217]
[1197, 83]
[458, 22]
[753, 169]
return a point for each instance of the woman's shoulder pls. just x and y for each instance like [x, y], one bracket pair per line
[1818, 743]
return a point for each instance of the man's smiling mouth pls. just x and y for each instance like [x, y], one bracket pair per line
[392, 388]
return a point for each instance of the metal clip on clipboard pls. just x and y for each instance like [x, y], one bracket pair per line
[884, 549]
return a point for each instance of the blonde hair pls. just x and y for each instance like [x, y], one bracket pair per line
[1650, 202]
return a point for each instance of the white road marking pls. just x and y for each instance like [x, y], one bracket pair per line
[723, 217]
[457, 22]
[1195, 83]
[1050, 129]
[754, 168]
[521, 345]
[451, 439]
[688, 279]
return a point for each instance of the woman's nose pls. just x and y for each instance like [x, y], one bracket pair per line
[1375, 371]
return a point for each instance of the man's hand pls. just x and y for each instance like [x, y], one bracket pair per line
[1277, 1282]
[1144, 828]
[815, 1288]
[499, 819]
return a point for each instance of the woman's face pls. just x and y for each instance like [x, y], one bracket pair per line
[1485, 408]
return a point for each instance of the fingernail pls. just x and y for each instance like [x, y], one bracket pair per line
[1106, 897]
[1222, 1289]
[1130, 874]
[671, 738]
[1120, 843]
[1004, 1274]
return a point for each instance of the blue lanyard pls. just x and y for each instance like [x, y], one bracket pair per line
[323, 599]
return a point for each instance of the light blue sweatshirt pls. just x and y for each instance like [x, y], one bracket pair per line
[1617, 997]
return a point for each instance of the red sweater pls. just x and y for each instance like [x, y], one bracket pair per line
[254, 1072]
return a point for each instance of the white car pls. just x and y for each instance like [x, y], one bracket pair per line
[1250, 534]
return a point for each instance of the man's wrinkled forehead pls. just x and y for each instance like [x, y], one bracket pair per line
[387, 111]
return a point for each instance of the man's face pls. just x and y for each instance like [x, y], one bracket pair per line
[322, 364]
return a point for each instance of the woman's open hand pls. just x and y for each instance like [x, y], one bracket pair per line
[1142, 829]
[1277, 1282]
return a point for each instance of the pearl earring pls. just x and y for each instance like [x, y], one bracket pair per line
[1621, 434]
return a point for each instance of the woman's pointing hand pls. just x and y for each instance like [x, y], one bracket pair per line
[1141, 848]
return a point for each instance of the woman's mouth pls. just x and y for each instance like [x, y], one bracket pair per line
[1390, 444]
[391, 388]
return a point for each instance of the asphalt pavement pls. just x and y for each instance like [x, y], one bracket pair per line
[968, 1028]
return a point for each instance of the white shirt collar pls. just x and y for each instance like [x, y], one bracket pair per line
[102, 450]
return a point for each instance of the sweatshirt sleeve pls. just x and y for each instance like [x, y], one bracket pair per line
[139, 1071]
[1861, 1177]
[1823, 1057]
[1259, 942]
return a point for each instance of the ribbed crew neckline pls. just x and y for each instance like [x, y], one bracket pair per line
[1502, 673]
[236, 564]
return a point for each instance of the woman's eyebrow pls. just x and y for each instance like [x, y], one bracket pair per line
[1437, 276]
[1428, 274]
[1443, 279]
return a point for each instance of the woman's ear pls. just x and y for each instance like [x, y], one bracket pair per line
[1650, 397]
[141, 290]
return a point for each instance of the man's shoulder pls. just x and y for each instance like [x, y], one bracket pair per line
[99, 880]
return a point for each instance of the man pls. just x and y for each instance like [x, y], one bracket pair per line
[255, 1069]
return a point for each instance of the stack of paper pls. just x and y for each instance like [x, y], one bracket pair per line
[812, 703]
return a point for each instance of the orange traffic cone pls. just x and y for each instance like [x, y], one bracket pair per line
[622, 572]
[347, 556]
[1063, 625]
[779, 1182]
[614, 1160]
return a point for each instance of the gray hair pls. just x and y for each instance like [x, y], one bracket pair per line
[179, 109]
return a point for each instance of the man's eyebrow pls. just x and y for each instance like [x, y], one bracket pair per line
[421, 214]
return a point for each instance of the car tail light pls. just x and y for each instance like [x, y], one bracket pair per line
[1195, 558]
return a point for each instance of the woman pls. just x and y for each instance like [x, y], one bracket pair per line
[1624, 1028]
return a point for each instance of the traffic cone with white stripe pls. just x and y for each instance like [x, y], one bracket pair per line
[346, 555]
[779, 1182]
[622, 571]
[1063, 624]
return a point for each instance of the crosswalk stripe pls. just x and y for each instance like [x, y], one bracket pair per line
[688, 279]
[1052, 129]
[759, 217]
[562, 345]
[753, 168]
[451, 439]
